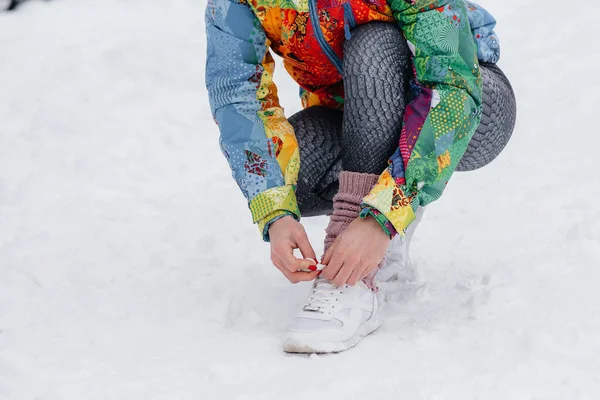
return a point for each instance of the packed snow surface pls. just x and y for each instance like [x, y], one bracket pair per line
[129, 267]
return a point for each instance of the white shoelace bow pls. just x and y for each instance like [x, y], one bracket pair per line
[322, 296]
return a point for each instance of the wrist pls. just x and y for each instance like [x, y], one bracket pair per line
[376, 227]
[274, 219]
[384, 224]
[278, 221]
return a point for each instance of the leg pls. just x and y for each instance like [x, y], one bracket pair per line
[376, 81]
[318, 131]
[376, 78]
[499, 111]
[377, 72]
[364, 146]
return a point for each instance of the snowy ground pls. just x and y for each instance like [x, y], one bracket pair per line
[129, 268]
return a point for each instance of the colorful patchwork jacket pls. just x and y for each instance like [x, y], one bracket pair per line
[448, 38]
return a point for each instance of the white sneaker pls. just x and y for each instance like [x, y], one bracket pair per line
[396, 265]
[334, 319]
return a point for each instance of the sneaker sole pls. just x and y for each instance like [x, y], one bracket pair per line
[294, 346]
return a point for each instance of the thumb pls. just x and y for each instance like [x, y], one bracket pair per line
[304, 245]
[329, 253]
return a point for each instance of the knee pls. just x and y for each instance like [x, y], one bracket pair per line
[377, 43]
[498, 116]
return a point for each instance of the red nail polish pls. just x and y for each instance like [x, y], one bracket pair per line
[313, 268]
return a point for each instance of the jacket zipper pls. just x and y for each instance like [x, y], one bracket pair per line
[335, 60]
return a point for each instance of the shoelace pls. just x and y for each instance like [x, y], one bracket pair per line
[322, 295]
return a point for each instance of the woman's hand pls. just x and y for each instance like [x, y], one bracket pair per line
[356, 252]
[286, 235]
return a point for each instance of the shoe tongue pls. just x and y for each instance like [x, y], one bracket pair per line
[322, 283]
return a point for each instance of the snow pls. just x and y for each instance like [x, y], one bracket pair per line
[129, 267]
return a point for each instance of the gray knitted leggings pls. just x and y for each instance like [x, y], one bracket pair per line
[377, 71]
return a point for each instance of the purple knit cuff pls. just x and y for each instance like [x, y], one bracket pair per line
[356, 183]
[354, 187]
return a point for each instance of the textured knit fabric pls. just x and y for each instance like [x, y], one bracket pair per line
[322, 132]
[498, 116]
[319, 132]
[346, 203]
[446, 38]
[377, 72]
